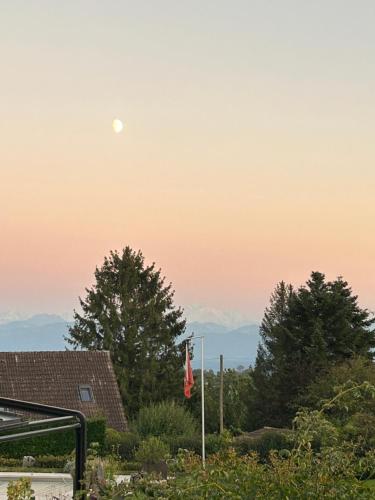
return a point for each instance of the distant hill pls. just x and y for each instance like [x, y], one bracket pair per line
[42, 332]
[205, 328]
[238, 346]
[11, 315]
[45, 332]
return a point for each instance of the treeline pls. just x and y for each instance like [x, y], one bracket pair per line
[311, 334]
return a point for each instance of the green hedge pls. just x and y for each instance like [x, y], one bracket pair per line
[43, 461]
[56, 443]
[10, 462]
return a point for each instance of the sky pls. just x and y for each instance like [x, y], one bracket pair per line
[247, 154]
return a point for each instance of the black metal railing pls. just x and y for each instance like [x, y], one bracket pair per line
[63, 419]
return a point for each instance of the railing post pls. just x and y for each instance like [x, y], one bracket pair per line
[81, 436]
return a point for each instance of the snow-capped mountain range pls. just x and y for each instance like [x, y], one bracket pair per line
[46, 332]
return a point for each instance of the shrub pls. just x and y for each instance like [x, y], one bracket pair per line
[214, 443]
[132, 466]
[360, 429]
[46, 461]
[152, 450]
[96, 431]
[226, 476]
[112, 438]
[192, 443]
[166, 418]
[20, 490]
[10, 462]
[333, 472]
[43, 461]
[122, 443]
[218, 442]
[262, 445]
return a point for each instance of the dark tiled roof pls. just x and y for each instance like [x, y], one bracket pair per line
[54, 377]
[264, 430]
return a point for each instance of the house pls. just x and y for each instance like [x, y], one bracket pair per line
[78, 380]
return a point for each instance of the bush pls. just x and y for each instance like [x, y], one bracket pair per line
[151, 451]
[10, 462]
[227, 476]
[166, 418]
[56, 443]
[132, 466]
[192, 443]
[96, 431]
[360, 429]
[216, 443]
[122, 443]
[333, 472]
[20, 490]
[262, 445]
[46, 461]
[42, 461]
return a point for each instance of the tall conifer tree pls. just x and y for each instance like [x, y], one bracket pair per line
[304, 332]
[129, 311]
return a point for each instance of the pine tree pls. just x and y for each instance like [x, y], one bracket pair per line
[266, 399]
[129, 311]
[304, 332]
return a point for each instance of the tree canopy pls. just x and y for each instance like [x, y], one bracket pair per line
[236, 393]
[303, 332]
[129, 311]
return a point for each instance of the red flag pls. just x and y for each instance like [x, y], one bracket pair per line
[188, 379]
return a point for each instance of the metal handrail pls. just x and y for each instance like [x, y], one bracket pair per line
[39, 432]
[5, 427]
[80, 427]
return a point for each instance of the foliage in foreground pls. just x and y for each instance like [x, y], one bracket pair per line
[20, 490]
[230, 476]
[331, 471]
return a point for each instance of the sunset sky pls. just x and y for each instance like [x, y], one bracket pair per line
[247, 155]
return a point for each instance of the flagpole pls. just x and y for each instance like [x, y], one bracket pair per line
[193, 337]
[202, 381]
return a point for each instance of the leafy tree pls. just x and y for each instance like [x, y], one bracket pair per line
[236, 393]
[304, 332]
[355, 418]
[129, 311]
[357, 370]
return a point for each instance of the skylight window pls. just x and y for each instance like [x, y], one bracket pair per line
[85, 393]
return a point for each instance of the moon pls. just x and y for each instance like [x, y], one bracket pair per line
[117, 126]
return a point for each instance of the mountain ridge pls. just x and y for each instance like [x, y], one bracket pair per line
[46, 332]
